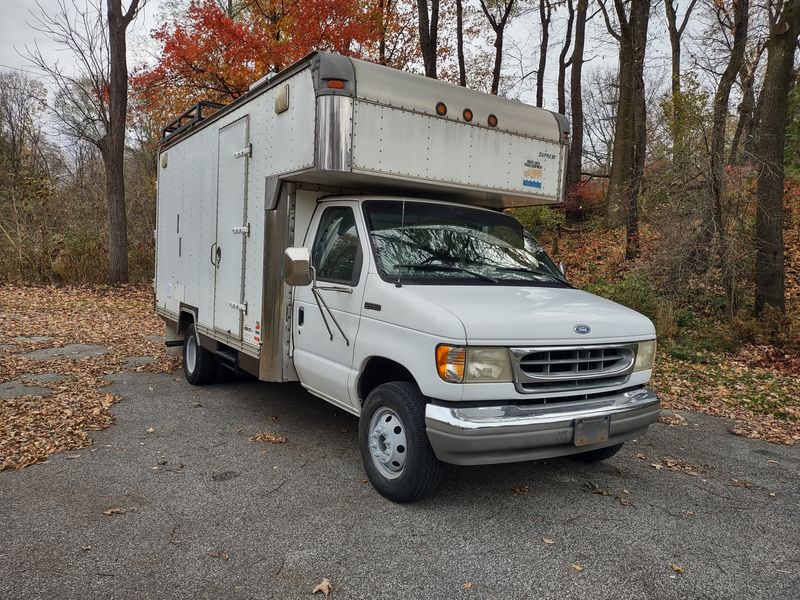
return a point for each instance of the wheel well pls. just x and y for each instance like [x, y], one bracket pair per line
[184, 320]
[380, 370]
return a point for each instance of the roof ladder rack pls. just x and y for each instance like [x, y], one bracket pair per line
[190, 117]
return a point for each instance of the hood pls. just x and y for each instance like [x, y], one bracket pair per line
[531, 315]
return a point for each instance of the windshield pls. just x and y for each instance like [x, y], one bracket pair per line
[421, 242]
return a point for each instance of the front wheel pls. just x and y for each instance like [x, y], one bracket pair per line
[395, 450]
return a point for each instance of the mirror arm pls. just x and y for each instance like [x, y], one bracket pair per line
[321, 303]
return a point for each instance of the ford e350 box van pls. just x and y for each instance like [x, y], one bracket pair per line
[341, 225]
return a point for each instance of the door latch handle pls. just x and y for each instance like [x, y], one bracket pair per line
[216, 255]
[301, 314]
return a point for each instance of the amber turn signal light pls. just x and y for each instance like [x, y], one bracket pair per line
[467, 114]
[336, 84]
[441, 109]
[492, 120]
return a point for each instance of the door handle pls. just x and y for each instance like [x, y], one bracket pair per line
[216, 255]
[301, 314]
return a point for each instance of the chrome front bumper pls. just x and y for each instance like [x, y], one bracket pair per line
[478, 435]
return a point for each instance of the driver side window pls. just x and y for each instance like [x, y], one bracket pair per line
[336, 255]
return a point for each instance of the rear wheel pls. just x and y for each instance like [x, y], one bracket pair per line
[199, 365]
[395, 450]
[597, 455]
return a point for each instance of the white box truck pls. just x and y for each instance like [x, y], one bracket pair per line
[341, 225]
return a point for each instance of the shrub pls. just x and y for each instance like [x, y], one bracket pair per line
[537, 219]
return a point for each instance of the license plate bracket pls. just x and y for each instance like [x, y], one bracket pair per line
[591, 431]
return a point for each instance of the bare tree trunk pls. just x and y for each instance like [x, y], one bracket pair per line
[429, 35]
[462, 69]
[747, 107]
[675, 34]
[545, 13]
[113, 143]
[719, 121]
[576, 97]
[769, 216]
[498, 23]
[627, 163]
[563, 63]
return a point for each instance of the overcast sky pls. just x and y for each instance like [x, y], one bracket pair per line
[18, 29]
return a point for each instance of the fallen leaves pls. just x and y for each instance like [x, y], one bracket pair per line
[114, 510]
[576, 567]
[595, 489]
[548, 541]
[677, 568]
[270, 438]
[519, 490]
[675, 464]
[32, 427]
[218, 554]
[323, 587]
[672, 420]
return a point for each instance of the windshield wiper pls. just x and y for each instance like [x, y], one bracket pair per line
[428, 267]
[531, 271]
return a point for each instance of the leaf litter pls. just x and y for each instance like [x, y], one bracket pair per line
[36, 317]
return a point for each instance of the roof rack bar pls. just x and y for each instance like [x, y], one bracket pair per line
[191, 116]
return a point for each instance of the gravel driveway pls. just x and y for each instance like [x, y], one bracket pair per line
[198, 510]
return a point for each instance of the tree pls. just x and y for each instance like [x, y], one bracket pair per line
[770, 154]
[563, 63]
[462, 68]
[675, 34]
[630, 135]
[94, 104]
[545, 15]
[429, 35]
[497, 12]
[576, 96]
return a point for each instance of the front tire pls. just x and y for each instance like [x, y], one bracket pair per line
[199, 365]
[597, 455]
[395, 450]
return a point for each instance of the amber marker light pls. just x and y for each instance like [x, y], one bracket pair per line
[467, 114]
[492, 120]
[441, 109]
[450, 361]
[336, 84]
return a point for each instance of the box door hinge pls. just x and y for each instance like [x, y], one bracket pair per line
[244, 230]
[246, 151]
[239, 306]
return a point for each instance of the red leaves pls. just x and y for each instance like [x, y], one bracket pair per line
[209, 54]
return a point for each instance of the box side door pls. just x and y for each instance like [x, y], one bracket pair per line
[228, 251]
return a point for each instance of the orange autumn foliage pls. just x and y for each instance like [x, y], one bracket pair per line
[212, 55]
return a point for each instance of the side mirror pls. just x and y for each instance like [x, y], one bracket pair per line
[297, 266]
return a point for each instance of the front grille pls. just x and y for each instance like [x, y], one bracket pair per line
[572, 368]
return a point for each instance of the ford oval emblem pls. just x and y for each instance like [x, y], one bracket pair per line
[582, 329]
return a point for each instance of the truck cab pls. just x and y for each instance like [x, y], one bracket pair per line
[404, 304]
[342, 226]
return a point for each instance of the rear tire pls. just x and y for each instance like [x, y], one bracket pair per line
[395, 450]
[199, 365]
[597, 455]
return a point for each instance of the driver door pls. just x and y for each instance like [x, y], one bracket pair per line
[323, 350]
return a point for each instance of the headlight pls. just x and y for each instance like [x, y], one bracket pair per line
[487, 365]
[645, 356]
[457, 364]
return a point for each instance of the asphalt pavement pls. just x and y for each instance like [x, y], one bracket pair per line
[195, 509]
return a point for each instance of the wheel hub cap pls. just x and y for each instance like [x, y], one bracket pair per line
[387, 442]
